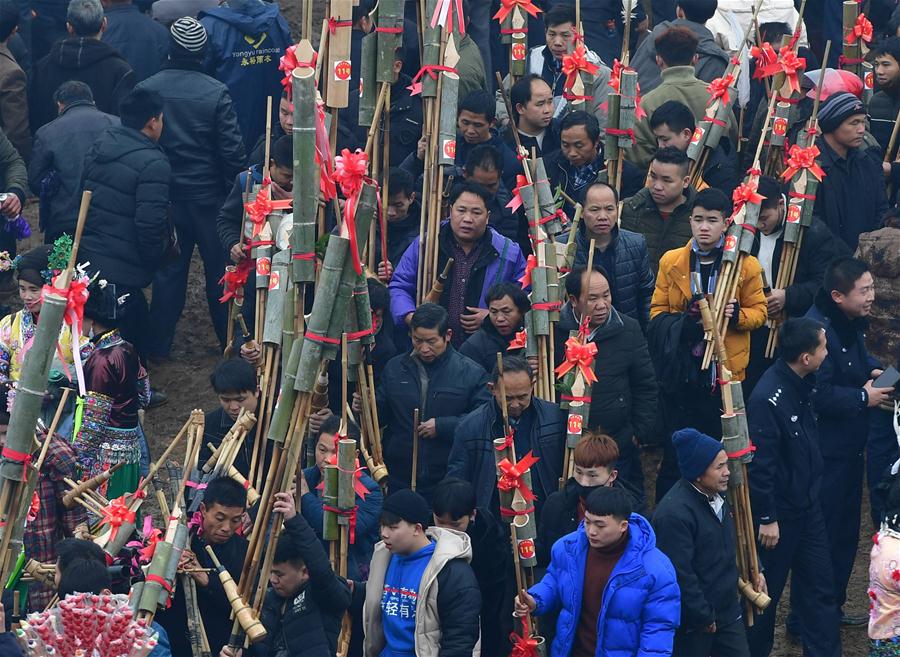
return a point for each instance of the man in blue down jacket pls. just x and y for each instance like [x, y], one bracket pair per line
[126, 234]
[615, 591]
[538, 426]
[246, 41]
[622, 253]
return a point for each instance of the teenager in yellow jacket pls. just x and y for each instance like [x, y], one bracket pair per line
[692, 395]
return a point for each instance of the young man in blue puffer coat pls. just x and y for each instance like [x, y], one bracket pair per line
[615, 592]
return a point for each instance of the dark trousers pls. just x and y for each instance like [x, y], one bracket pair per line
[881, 452]
[841, 500]
[134, 319]
[728, 641]
[195, 225]
[802, 550]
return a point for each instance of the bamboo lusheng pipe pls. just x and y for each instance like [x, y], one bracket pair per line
[194, 624]
[41, 572]
[851, 47]
[437, 288]
[14, 475]
[337, 75]
[759, 599]
[518, 48]
[234, 473]
[306, 173]
[553, 224]
[69, 498]
[234, 436]
[244, 615]
[368, 84]
[415, 449]
[151, 592]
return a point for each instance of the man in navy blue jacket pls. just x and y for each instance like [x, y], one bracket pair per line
[785, 475]
[845, 400]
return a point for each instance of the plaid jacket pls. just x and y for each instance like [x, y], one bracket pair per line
[54, 522]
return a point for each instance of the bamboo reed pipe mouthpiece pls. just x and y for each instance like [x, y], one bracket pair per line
[91, 484]
[759, 599]
[244, 615]
[434, 295]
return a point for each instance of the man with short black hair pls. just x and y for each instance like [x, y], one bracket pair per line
[126, 235]
[580, 160]
[531, 99]
[206, 153]
[142, 41]
[403, 215]
[695, 528]
[421, 597]
[538, 427]
[673, 124]
[13, 84]
[439, 381]
[222, 513]
[661, 211]
[711, 59]
[234, 383]
[81, 56]
[484, 166]
[481, 258]
[615, 589]
[845, 400]
[885, 103]
[453, 507]
[784, 478]
[58, 157]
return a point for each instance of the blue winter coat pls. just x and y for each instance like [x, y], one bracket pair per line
[243, 54]
[632, 280]
[641, 602]
[502, 262]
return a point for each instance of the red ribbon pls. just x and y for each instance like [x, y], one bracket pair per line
[350, 174]
[115, 514]
[323, 157]
[766, 60]
[506, 6]
[18, 457]
[334, 24]
[550, 306]
[749, 449]
[580, 355]
[507, 441]
[263, 205]
[349, 513]
[315, 337]
[389, 30]
[803, 158]
[523, 645]
[791, 65]
[516, 201]
[530, 264]
[615, 79]
[34, 508]
[518, 342]
[443, 15]
[550, 217]
[862, 29]
[745, 193]
[511, 476]
[288, 63]
[718, 88]
[234, 279]
[577, 63]
[786, 61]
[431, 70]
[616, 132]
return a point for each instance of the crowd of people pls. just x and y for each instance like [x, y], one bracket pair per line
[160, 112]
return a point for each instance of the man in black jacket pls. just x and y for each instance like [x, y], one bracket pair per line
[438, 381]
[403, 215]
[454, 507]
[206, 153]
[851, 198]
[306, 601]
[695, 529]
[623, 401]
[785, 475]
[234, 383]
[846, 401]
[501, 330]
[81, 56]
[57, 160]
[126, 234]
[221, 513]
[819, 247]
[538, 427]
[885, 103]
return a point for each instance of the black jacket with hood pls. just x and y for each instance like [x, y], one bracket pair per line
[88, 60]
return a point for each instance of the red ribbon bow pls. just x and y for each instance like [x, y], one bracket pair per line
[443, 15]
[431, 70]
[530, 264]
[523, 645]
[745, 193]
[263, 205]
[615, 79]
[350, 174]
[718, 88]
[516, 201]
[506, 6]
[518, 342]
[766, 60]
[577, 63]
[115, 514]
[334, 24]
[803, 158]
[791, 64]
[862, 29]
[288, 63]
[507, 440]
[511, 476]
[579, 354]
[234, 279]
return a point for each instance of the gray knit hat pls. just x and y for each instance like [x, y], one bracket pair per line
[188, 33]
[837, 109]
